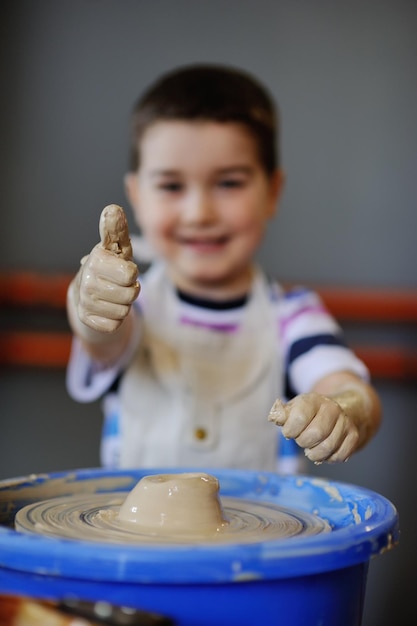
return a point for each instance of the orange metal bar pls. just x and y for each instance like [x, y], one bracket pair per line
[371, 305]
[389, 362]
[33, 289]
[51, 349]
[354, 304]
[41, 349]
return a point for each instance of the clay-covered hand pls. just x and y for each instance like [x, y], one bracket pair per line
[107, 282]
[319, 424]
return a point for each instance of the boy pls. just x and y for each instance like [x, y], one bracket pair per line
[189, 370]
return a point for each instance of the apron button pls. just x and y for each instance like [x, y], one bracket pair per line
[200, 433]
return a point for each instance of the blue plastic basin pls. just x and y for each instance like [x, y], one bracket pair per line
[317, 580]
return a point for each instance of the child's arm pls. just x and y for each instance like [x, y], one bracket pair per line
[100, 296]
[338, 417]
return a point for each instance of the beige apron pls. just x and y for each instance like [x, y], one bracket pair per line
[197, 397]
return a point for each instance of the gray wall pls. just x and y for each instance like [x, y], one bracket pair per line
[344, 77]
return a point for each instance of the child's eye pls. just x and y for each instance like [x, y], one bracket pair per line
[231, 183]
[172, 187]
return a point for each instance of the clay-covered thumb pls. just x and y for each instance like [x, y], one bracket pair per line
[114, 231]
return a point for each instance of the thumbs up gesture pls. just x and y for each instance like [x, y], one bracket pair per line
[107, 282]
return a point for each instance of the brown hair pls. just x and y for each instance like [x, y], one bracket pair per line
[209, 93]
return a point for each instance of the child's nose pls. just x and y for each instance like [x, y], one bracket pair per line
[199, 207]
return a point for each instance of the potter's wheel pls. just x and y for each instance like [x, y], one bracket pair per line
[296, 577]
[290, 517]
[95, 518]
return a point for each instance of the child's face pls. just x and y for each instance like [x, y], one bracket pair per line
[203, 200]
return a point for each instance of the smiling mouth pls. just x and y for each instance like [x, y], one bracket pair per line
[204, 243]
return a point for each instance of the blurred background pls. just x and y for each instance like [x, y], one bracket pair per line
[343, 75]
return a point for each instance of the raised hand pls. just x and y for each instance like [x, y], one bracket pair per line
[107, 282]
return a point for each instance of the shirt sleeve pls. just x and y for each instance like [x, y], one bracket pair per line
[313, 343]
[87, 380]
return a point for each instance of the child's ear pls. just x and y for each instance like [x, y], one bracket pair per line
[132, 189]
[277, 182]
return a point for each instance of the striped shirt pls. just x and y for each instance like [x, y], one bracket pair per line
[310, 346]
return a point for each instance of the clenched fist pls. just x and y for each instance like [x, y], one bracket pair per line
[319, 424]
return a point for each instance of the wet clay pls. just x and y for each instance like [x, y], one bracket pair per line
[114, 231]
[166, 509]
[187, 502]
